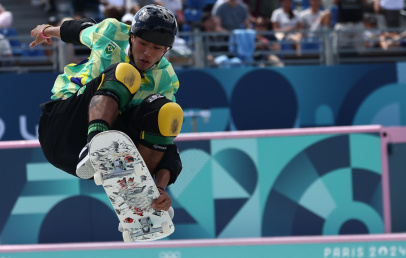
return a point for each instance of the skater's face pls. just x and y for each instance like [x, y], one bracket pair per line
[146, 54]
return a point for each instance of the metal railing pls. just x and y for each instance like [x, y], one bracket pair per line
[314, 48]
[196, 49]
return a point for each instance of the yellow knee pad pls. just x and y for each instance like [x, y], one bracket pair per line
[166, 127]
[118, 75]
[129, 76]
[170, 119]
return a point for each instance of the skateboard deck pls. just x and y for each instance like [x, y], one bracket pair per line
[122, 172]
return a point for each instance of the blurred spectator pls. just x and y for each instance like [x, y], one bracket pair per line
[392, 39]
[216, 43]
[176, 7]
[375, 38]
[127, 18]
[220, 2]
[261, 8]
[285, 18]
[6, 23]
[180, 53]
[132, 6]
[312, 20]
[285, 23]
[310, 16]
[390, 10]
[49, 6]
[233, 15]
[5, 51]
[6, 18]
[327, 4]
[265, 41]
[350, 15]
[79, 6]
[371, 33]
[113, 8]
[107, 8]
[372, 36]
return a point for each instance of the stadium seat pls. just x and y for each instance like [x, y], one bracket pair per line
[192, 15]
[28, 53]
[193, 4]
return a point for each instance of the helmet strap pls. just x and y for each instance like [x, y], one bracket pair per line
[130, 54]
[161, 57]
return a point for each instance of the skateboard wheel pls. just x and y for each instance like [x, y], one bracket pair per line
[120, 227]
[138, 170]
[171, 212]
[98, 178]
[165, 227]
[127, 236]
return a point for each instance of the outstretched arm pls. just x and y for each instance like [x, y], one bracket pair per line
[47, 31]
[68, 32]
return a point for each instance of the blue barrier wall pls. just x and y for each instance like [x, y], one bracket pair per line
[35, 197]
[249, 99]
[323, 184]
[20, 97]
[246, 98]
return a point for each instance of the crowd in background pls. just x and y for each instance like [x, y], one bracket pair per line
[277, 24]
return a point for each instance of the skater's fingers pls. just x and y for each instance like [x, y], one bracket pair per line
[36, 32]
[164, 206]
[162, 203]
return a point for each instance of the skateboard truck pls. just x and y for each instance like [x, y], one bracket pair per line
[147, 228]
[146, 225]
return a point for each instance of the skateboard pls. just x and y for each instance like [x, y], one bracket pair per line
[122, 172]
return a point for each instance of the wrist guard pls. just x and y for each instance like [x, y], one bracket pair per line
[70, 30]
[171, 161]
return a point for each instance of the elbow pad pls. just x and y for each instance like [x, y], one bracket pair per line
[70, 30]
[171, 161]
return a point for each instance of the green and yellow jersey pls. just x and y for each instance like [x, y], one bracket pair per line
[108, 42]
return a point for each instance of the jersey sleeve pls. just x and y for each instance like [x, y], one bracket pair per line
[108, 41]
[107, 30]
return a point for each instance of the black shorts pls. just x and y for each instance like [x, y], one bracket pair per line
[63, 127]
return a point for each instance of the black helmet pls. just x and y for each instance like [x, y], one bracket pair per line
[155, 24]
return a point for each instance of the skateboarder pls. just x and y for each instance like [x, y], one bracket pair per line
[126, 84]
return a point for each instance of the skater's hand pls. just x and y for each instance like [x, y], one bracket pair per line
[37, 34]
[163, 202]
